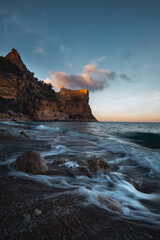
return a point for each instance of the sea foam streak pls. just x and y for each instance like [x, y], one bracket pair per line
[78, 141]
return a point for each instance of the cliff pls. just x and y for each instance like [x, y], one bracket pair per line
[24, 97]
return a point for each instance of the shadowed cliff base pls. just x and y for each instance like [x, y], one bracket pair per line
[24, 97]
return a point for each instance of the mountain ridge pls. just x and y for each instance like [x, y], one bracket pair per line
[24, 97]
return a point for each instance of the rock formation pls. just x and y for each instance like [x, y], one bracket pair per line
[111, 203]
[24, 97]
[31, 162]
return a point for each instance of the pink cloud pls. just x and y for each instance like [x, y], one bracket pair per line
[91, 78]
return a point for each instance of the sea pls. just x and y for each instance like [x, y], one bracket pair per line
[131, 149]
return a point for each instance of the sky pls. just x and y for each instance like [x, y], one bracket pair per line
[111, 47]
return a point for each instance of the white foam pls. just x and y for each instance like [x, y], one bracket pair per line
[43, 127]
[71, 164]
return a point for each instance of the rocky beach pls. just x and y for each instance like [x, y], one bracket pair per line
[80, 120]
[59, 181]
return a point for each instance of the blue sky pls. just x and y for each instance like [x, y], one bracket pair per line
[111, 47]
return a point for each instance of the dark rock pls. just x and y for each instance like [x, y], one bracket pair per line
[80, 171]
[31, 162]
[24, 134]
[111, 203]
[2, 131]
[96, 163]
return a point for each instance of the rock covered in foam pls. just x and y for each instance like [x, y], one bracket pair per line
[31, 162]
[119, 177]
[111, 203]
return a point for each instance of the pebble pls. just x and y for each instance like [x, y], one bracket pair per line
[36, 212]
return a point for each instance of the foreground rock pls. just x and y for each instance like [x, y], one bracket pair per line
[111, 203]
[96, 163]
[31, 162]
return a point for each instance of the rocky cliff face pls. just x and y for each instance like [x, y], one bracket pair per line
[23, 97]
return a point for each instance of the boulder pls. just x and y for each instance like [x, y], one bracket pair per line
[111, 203]
[96, 163]
[31, 162]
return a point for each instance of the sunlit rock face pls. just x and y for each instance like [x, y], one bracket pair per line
[75, 104]
[23, 97]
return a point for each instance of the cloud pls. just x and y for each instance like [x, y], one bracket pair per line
[125, 77]
[99, 59]
[39, 50]
[91, 78]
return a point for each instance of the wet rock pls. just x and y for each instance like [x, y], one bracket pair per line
[36, 212]
[111, 203]
[96, 163]
[24, 134]
[83, 162]
[31, 162]
[120, 176]
[62, 161]
[27, 216]
[80, 171]
[2, 131]
[130, 180]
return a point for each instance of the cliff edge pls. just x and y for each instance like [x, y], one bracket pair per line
[24, 97]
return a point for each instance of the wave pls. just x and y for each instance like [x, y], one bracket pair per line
[53, 129]
[146, 139]
[125, 156]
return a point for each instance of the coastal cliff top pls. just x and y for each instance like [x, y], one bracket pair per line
[82, 93]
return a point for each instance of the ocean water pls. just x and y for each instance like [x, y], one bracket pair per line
[129, 148]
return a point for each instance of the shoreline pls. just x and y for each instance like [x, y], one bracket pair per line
[64, 214]
[62, 217]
